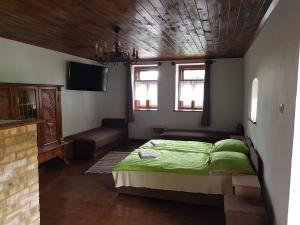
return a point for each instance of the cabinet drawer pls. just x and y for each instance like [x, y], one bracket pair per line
[58, 152]
[49, 155]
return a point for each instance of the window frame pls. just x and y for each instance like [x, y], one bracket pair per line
[181, 69]
[136, 77]
[254, 81]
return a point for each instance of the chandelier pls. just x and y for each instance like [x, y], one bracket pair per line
[104, 56]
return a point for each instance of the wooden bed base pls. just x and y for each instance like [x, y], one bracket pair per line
[197, 198]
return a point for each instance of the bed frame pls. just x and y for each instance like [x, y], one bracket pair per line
[197, 198]
[255, 159]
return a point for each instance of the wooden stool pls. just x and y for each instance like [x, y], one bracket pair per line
[244, 211]
[246, 186]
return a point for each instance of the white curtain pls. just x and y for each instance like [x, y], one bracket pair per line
[146, 90]
[191, 91]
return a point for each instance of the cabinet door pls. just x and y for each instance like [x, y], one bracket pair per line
[49, 132]
[6, 103]
[26, 102]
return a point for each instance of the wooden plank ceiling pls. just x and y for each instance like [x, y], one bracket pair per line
[160, 29]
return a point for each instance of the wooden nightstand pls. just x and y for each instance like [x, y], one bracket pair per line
[246, 186]
[244, 211]
[157, 131]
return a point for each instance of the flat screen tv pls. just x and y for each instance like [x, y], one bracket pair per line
[87, 77]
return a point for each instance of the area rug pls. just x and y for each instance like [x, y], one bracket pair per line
[107, 163]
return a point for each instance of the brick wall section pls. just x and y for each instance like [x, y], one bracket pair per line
[19, 182]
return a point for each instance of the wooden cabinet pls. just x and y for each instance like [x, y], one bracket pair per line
[25, 101]
[40, 102]
[6, 103]
[50, 113]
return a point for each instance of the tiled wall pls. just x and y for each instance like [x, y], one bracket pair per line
[19, 182]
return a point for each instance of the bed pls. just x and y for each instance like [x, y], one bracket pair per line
[182, 171]
[97, 141]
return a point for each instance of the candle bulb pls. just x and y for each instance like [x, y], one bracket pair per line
[133, 51]
[100, 50]
[96, 47]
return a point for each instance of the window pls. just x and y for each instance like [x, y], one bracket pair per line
[145, 87]
[254, 96]
[190, 84]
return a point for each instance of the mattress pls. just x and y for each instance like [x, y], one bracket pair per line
[209, 184]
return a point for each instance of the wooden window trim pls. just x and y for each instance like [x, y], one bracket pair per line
[188, 110]
[189, 67]
[181, 78]
[252, 121]
[138, 69]
[183, 107]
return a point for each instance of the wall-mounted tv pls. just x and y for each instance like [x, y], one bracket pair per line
[87, 77]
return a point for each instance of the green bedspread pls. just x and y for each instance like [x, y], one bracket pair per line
[189, 157]
[167, 161]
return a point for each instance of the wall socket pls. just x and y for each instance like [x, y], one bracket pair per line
[281, 108]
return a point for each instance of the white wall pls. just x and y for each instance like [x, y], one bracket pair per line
[273, 58]
[293, 214]
[227, 100]
[115, 97]
[22, 63]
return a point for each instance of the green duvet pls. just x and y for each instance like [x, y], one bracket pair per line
[189, 157]
[186, 157]
[167, 161]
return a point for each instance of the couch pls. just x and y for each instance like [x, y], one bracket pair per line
[94, 142]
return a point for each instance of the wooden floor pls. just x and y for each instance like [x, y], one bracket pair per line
[68, 196]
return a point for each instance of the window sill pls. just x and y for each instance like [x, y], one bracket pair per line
[188, 110]
[146, 110]
[252, 121]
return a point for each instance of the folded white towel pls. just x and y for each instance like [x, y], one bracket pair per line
[157, 142]
[147, 154]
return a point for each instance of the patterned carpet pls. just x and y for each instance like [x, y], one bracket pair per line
[107, 163]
